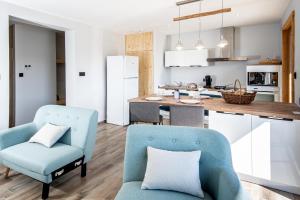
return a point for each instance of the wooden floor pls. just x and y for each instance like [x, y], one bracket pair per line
[104, 176]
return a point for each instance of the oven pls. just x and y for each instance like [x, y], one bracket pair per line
[266, 80]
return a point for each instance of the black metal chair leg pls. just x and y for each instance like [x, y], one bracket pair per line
[45, 193]
[83, 170]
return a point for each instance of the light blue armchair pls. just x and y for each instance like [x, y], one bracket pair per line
[44, 164]
[218, 179]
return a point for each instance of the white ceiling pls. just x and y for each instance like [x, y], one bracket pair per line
[126, 16]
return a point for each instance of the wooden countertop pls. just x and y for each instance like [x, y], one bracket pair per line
[267, 109]
[167, 101]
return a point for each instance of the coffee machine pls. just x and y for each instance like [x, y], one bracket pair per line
[208, 80]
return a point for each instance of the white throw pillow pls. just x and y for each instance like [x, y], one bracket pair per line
[49, 134]
[176, 171]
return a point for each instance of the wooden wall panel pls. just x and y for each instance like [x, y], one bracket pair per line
[141, 45]
[148, 41]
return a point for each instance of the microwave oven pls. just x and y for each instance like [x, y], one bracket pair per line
[263, 79]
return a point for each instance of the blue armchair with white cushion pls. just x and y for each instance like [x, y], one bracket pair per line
[218, 179]
[45, 164]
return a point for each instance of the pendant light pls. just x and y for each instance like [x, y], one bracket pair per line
[223, 42]
[200, 44]
[179, 45]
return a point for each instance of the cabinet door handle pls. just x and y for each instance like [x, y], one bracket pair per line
[229, 113]
[276, 118]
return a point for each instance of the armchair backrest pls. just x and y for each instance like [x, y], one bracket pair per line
[82, 123]
[214, 146]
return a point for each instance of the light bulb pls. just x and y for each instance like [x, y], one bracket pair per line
[200, 45]
[179, 46]
[223, 43]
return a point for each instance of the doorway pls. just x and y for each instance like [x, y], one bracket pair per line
[288, 60]
[60, 69]
[37, 69]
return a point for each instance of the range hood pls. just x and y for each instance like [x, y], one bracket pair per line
[227, 53]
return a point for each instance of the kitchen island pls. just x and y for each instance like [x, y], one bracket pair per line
[264, 138]
[264, 109]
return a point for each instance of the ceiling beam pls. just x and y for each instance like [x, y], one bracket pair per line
[180, 3]
[203, 14]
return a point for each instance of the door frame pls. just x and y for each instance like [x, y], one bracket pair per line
[12, 82]
[288, 59]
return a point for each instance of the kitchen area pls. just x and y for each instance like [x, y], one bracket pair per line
[189, 87]
[264, 134]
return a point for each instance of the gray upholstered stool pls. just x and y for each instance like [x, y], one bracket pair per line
[147, 112]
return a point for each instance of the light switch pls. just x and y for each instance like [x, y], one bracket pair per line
[81, 73]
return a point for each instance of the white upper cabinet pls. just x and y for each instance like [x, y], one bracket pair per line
[186, 58]
[174, 59]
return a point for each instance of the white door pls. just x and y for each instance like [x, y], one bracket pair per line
[131, 90]
[131, 68]
[237, 129]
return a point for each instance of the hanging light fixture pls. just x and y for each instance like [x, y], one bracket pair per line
[223, 42]
[179, 45]
[200, 44]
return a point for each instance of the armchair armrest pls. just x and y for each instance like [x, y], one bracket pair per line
[16, 135]
[223, 184]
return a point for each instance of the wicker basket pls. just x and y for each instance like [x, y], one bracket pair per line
[238, 96]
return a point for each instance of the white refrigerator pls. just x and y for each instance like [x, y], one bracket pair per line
[122, 85]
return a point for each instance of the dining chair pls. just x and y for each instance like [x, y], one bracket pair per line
[187, 116]
[147, 112]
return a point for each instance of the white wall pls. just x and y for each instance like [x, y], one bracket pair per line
[161, 75]
[36, 47]
[83, 53]
[295, 5]
[257, 42]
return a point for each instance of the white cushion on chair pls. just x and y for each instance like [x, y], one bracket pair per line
[49, 134]
[176, 171]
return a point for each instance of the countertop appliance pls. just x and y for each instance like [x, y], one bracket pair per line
[208, 80]
[266, 80]
[122, 85]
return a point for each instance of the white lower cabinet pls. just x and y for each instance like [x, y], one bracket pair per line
[265, 150]
[237, 129]
[275, 148]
